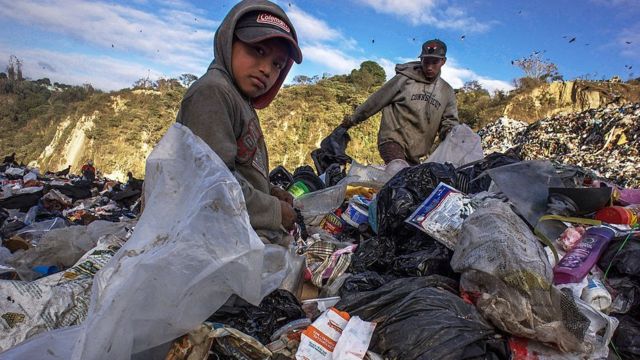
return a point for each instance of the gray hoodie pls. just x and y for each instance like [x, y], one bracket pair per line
[414, 110]
[215, 110]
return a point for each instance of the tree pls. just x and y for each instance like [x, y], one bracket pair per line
[144, 83]
[370, 74]
[535, 67]
[301, 79]
[187, 79]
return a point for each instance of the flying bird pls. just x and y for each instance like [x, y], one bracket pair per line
[462, 37]
[572, 40]
[373, 41]
[289, 4]
[112, 45]
[628, 42]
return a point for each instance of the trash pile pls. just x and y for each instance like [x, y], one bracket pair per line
[37, 211]
[604, 140]
[466, 256]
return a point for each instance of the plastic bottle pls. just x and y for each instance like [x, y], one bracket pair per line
[575, 265]
[596, 294]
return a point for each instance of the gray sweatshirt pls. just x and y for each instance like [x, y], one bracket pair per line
[215, 110]
[414, 110]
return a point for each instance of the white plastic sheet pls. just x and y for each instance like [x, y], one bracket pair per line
[461, 146]
[192, 248]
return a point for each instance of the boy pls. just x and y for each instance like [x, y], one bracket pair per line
[254, 48]
[416, 106]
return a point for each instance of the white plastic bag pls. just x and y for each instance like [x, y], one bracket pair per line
[192, 248]
[354, 341]
[461, 146]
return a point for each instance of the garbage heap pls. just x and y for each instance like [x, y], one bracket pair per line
[605, 140]
[465, 256]
[33, 205]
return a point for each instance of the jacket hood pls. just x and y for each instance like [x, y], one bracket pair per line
[223, 42]
[413, 70]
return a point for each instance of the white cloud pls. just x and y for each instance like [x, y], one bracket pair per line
[103, 72]
[176, 37]
[310, 28]
[334, 59]
[456, 76]
[430, 12]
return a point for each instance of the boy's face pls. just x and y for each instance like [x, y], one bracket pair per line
[431, 66]
[256, 67]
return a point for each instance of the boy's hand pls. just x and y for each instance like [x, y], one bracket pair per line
[282, 195]
[288, 215]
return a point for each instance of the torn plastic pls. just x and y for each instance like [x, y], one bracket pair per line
[505, 269]
[205, 233]
[461, 146]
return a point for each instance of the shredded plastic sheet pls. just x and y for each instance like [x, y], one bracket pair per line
[192, 248]
[461, 146]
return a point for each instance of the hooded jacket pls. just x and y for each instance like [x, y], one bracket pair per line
[215, 109]
[414, 110]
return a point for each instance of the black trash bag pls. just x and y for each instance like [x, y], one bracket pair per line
[76, 191]
[364, 281]
[10, 227]
[471, 178]
[280, 177]
[627, 337]
[276, 310]
[372, 255]
[401, 195]
[626, 295]
[23, 202]
[624, 262]
[332, 150]
[4, 215]
[334, 173]
[423, 318]
[426, 262]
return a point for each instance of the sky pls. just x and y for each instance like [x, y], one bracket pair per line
[111, 44]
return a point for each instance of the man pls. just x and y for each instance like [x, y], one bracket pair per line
[417, 105]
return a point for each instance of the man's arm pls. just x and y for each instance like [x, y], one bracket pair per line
[449, 116]
[374, 103]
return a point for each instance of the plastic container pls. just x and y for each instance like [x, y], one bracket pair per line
[596, 294]
[576, 263]
[355, 215]
[618, 215]
[305, 182]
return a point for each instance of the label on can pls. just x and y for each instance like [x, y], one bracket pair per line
[332, 224]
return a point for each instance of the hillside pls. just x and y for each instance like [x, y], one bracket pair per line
[54, 126]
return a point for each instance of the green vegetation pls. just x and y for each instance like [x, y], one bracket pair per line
[119, 129]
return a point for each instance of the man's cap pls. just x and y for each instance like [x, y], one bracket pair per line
[434, 48]
[257, 26]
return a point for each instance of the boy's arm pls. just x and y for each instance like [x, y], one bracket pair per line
[449, 117]
[209, 114]
[374, 103]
